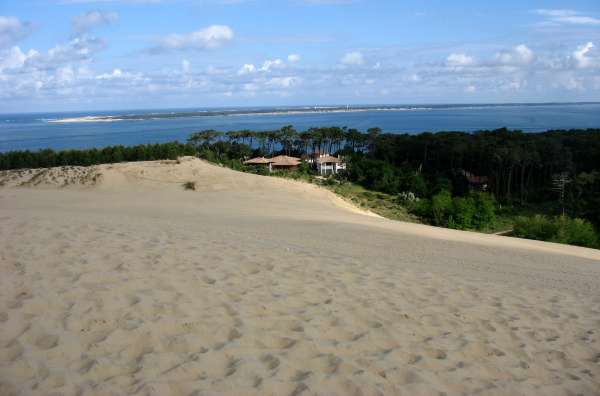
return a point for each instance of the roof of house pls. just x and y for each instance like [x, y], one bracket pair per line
[284, 160]
[327, 159]
[258, 161]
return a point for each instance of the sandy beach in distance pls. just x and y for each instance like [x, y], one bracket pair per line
[115, 280]
[231, 113]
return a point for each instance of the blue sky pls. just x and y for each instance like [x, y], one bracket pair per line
[110, 54]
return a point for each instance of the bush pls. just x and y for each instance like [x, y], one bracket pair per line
[305, 168]
[476, 211]
[375, 175]
[258, 170]
[463, 213]
[189, 185]
[560, 229]
[485, 211]
[441, 207]
[420, 208]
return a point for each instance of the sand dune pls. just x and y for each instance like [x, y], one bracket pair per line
[115, 280]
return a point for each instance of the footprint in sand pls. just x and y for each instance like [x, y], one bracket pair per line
[232, 367]
[234, 334]
[301, 375]
[133, 300]
[375, 325]
[286, 343]
[330, 363]
[19, 298]
[401, 376]
[299, 389]
[359, 336]
[270, 361]
[13, 351]
[46, 341]
[414, 359]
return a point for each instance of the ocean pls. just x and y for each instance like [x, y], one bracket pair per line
[34, 131]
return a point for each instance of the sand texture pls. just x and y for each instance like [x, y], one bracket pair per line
[116, 281]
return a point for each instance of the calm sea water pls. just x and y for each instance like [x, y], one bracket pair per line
[33, 131]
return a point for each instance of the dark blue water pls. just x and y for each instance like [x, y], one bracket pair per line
[33, 131]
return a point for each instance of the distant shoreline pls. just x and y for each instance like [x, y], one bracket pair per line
[289, 111]
[317, 110]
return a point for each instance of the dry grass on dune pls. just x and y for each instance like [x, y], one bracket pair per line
[254, 285]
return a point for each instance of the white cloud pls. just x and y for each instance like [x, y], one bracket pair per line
[271, 64]
[118, 74]
[246, 69]
[414, 77]
[212, 70]
[353, 58]
[12, 30]
[459, 60]
[80, 48]
[293, 58]
[91, 19]
[62, 70]
[14, 58]
[524, 53]
[581, 57]
[567, 17]
[521, 54]
[517, 85]
[283, 82]
[65, 74]
[213, 36]
[185, 66]
[569, 81]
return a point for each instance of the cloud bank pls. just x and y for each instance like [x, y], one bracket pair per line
[211, 37]
[13, 30]
[87, 21]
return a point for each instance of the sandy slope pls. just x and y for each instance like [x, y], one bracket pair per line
[114, 280]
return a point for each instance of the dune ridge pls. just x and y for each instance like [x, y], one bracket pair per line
[115, 280]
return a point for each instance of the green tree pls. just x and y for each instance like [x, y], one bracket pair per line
[463, 212]
[485, 211]
[441, 207]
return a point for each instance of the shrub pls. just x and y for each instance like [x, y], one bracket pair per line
[375, 174]
[578, 232]
[441, 207]
[189, 185]
[259, 170]
[305, 168]
[463, 212]
[536, 227]
[330, 181]
[560, 229]
[485, 211]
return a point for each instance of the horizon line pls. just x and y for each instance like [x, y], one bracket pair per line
[355, 106]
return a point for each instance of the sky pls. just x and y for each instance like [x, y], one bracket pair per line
[63, 55]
